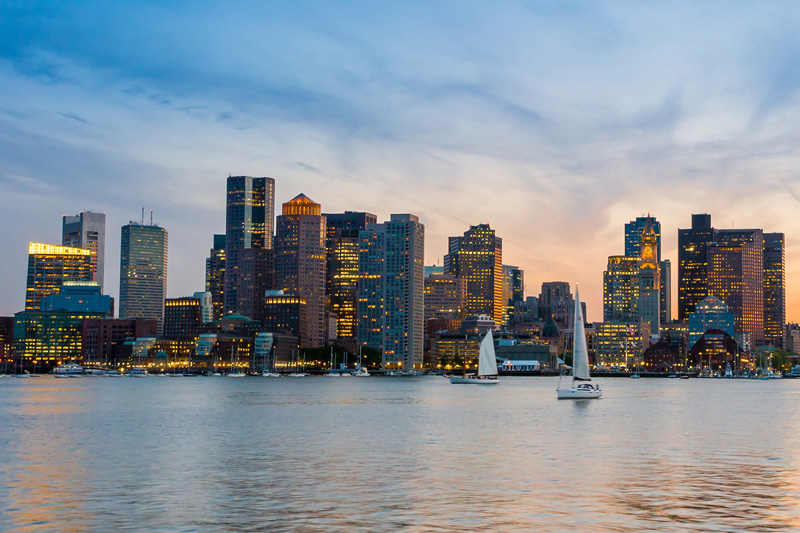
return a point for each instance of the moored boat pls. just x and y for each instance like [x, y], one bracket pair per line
[581, 387]
[487, 366]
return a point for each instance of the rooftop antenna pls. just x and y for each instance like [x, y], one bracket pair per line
[151, 217]
[142, 215]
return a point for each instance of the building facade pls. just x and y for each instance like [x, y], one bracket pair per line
[648, 279]
[619, 288]
[341, 269]
[513, 290]
[79, 296]
[87, 230]
[391, 290]
[143, 272]
[300, 262]
[49, 266]
[711, 313]
[693, 263]
[477, 256]
[774, 289]
[215, 276]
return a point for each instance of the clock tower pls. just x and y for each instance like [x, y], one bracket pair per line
[648, 279]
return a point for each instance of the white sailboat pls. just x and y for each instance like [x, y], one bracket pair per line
[487, 366]
[580, 387]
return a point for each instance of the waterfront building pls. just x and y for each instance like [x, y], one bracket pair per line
[477, 256]
[711, 313]
[49, 266]
[87, 230]
[341, 269]
[391, 291]
[215, 276]
[249, 224]
[676, 335]
[49, 338]
[774, 289]
[183, 317]
[714, 349]
[792, 336]
[300, 262]
[736, 276]
[620, 344]
[79, 296]
[143, 272]
[444, 296]
[693, 263]
[513, 291]
[285, 313]
[6, 337]
[103, 338]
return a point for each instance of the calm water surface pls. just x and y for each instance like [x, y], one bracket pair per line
[384, 454]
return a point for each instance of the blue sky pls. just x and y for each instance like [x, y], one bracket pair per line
[555, 122]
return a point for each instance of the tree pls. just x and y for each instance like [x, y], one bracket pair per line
[780, 359]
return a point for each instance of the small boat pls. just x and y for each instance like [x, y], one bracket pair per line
[728, 371]
[487, 366]
[236, 374]
[268, 374]
[361, 372]
[635, 376]
[297, 375]
[581, 387]
[26, 375]
[112, 374]
[333, 374]
[138, 372]
[68, 370]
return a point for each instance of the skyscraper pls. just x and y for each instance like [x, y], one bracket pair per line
[249, 224]
[215, 275]
[736, 276]
[648, 277]
[774, 289]
[391, 291]
[513, 290]
[555, 300]
[300, 262]
[633, 236]
[619, 288]
[478, 257]
[693, 264]
[87, 230]
[50, 265]
[143, 272]
[341, 278]
[666, 291]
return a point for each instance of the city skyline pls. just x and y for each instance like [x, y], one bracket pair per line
[575, 121]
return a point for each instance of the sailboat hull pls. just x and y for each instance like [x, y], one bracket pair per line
[579, 394]
[474, 381]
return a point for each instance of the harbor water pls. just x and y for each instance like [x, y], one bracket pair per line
[389, 454]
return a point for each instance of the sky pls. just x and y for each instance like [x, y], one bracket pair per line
[554, 122]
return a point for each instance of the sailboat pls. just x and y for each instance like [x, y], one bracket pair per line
[580, 387]
[487, 366]
[235, 372]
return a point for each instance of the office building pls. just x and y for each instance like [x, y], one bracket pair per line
[206, 305]
[6, 338]
[736, 276]
[391, 291]
[49, 266]
[87, 230]
[255, 273]
[183, 317]
[633, 235]
[49, 338]
[285, 313]
[693, 263]
[711, 313]
[215, 276]
[774, 289]
[341, 271]
[143, 272]
[619, 288]
[79, 296]
[444, 296]
[666, 291]
[620, 344]
[300, 262]
[103, 338]
[477, 256]
[249, 224]
[513, 290]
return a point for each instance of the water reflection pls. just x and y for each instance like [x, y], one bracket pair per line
[381, 455]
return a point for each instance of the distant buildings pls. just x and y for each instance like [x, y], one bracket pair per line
[774, 289]
[143, 272]
[183, 317]
[477, 256]
[693, 264]
[513, 290]
[87, 230]
[390, 290]
[79, 296]
[49, 266]
[300, 262]
[47, 338]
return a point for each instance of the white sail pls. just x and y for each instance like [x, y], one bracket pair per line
[487, 363]
[580, 355]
